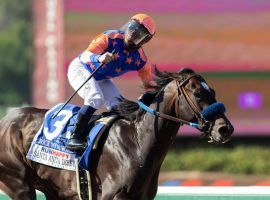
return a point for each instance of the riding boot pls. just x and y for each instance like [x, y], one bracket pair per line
[78, 138]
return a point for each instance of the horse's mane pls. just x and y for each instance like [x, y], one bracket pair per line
[130, 110]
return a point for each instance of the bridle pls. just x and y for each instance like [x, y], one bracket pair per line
[203, 125]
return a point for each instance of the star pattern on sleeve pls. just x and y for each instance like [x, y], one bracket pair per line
[118, 70]
[129, 60]
[138, 62]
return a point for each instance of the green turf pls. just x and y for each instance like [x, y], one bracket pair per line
[39, 197]
[226, 159]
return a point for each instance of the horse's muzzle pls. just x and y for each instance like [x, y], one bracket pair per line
[221, 131]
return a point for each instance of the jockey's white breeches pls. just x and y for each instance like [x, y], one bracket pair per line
[95, 93]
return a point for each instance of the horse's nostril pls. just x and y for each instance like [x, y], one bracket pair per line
[223, 131]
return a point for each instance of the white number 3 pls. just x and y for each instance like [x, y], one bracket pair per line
[59, 124]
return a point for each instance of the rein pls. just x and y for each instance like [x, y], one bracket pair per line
[165, 116]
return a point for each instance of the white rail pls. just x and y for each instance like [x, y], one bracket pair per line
[212, 190]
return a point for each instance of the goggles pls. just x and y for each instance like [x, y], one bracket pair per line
[138, 33]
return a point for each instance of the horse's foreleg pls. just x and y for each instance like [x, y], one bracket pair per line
[153, 185]
[15, 183]
[119, 194]
[17, 189]
[108, 190]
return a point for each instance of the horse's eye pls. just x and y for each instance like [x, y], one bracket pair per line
[193, 86]
[197, 95]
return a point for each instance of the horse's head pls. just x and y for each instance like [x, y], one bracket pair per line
[196, 103]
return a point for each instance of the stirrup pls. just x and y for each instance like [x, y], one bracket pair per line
[76, 144]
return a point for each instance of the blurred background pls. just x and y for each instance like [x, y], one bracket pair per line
[227, 41]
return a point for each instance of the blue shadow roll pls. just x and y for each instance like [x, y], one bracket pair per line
[215, 109]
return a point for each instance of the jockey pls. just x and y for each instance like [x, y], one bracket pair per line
[100, 90]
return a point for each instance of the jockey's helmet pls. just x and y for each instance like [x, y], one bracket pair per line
[139, 30]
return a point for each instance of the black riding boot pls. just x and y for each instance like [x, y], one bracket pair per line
[78, 139]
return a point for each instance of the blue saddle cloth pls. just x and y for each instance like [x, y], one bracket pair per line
[49, 145]
[86, 157]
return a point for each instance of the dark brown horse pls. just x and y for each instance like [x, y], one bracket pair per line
[128, 163]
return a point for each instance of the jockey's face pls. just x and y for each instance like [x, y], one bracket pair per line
[136, 35]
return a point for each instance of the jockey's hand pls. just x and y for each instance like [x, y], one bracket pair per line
[106, 58]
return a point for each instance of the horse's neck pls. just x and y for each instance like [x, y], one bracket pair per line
[154, 133]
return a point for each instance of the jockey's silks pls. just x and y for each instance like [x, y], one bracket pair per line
[124, 60]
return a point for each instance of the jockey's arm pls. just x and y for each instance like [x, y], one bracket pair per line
[145, 72]
[98, 47]
[146, 75]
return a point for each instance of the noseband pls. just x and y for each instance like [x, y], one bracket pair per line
[203, 125]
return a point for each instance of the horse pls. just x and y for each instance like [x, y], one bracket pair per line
[127, 163]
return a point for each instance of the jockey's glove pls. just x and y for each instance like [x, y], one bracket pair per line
[106, 58]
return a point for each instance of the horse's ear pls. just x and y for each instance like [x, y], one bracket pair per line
[186, 70]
